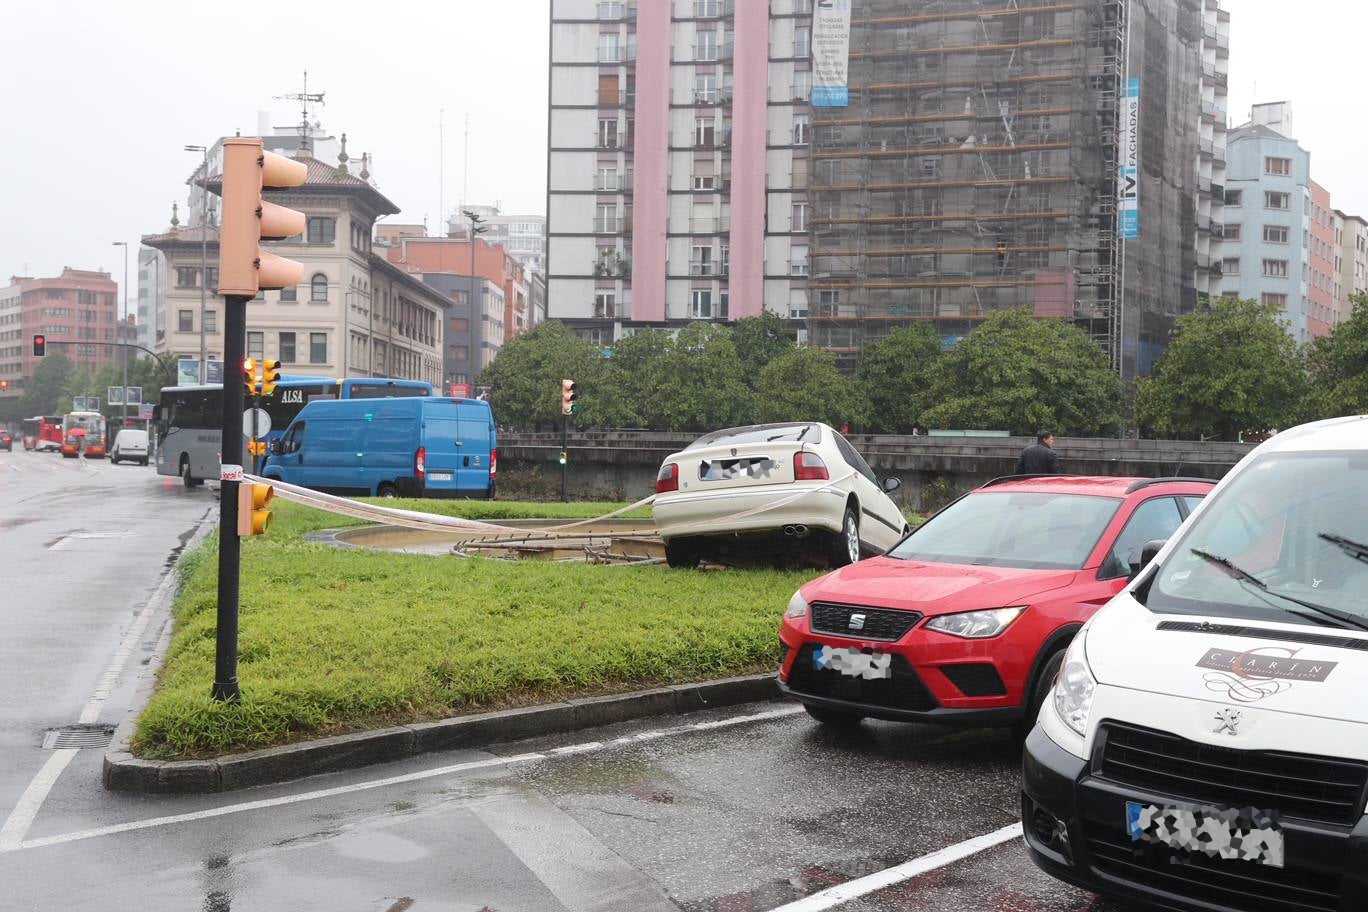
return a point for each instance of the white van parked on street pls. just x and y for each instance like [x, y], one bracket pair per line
[130, 445]
[1206, 742]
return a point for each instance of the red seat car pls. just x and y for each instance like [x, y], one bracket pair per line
[967, 618]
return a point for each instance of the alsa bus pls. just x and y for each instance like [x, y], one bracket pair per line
[89, 425]
[189, 419]
[42, 433]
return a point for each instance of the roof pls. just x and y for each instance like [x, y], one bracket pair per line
[322, 176]
[182, 236]
[1255, 131]
[1095, 485]
[415, 281]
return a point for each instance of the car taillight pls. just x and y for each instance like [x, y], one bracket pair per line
[667, 479]
[493, 463]
[420, 464]
[809, 467]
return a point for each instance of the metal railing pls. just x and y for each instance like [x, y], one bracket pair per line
[610, 140]
[607, 225]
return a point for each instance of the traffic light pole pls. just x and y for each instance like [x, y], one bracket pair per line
[230, 546]
[565, 457]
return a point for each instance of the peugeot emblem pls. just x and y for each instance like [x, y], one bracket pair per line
[856, 622]
[1228, 721]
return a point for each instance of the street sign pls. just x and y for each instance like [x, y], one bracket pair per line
[256, 423]
[134, 395]
[115, 395]
[187, 372]
[85, 403]
[145, 411]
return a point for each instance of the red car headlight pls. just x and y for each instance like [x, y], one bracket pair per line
[976, 625]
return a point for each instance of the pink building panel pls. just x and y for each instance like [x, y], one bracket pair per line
[651, 161]
[749, 124]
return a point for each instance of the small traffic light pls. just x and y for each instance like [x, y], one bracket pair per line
[569, 394]
[564, 457]
[244, 268]
[270, 374]
[253, 516]
[249, 377]
[39, 346]
[256, 448]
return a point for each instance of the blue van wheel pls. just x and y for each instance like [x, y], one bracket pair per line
[387, 489]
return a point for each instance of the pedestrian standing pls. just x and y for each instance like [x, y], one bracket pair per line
[1040, 457]
[81, 447]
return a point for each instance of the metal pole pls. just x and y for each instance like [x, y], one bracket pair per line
[230, 549]
[565, 460]
[204, 276]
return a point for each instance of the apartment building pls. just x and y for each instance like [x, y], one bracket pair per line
[1321, 252]
[1211, 159]
[523, 236]
[78, 312]
[679, 132]
[1351, 241]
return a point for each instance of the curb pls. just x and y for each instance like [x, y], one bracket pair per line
[125, 773]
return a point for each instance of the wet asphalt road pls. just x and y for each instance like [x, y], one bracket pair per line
[740, 814]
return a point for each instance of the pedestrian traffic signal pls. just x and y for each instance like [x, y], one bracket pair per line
[244, 268]
[249, 377]
[270, 375]
[564, 457]
[569, 394]
[253, 499]
[39, 345]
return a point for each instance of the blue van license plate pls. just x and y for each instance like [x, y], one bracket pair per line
[1244, 834]
[439, 476]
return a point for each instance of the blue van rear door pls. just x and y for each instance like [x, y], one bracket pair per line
[475, 448]
[442, 442]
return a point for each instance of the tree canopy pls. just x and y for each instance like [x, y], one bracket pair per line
[759, 340]
[805, 385]
[1338, 366]
[895, 375]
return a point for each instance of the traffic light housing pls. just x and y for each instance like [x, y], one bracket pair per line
[244, 268]
[256, 448]
[249, 377]
[569, 396]
[253, 516]
[39, 345]
[270, 375]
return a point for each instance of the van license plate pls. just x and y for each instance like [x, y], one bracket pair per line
[439, 476]
[1244, 834]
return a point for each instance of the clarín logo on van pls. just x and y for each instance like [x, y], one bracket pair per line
[1252, 675]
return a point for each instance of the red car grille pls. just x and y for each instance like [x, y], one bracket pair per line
[872, 623]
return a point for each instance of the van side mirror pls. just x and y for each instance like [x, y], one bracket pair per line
[891, 484]
[1148, 552]
[274, 448]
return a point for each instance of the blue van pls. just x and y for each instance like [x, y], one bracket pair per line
[416, 447]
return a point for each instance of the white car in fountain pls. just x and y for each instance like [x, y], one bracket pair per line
[769, 489]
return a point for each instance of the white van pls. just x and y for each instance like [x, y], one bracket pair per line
[130, 445]
[1206, 743]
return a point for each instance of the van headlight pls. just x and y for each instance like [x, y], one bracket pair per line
[1074, 688]
[976, 625]
[797, 606]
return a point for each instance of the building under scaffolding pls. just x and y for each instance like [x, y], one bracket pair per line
[975, 170]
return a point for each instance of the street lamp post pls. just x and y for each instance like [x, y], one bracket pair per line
[476, 299]
[123, 398]
[204, 263]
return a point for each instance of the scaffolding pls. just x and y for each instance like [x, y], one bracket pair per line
[974, 170]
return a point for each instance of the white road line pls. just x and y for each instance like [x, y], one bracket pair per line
[842, 893]
[91, 713]
[264, 803]
[21, 818]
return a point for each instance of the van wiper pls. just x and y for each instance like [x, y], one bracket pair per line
[1356, 550]
[1343, 617]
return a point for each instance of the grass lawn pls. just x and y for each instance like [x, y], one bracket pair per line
[337, 640]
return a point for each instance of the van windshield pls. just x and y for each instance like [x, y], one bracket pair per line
[1289, 536]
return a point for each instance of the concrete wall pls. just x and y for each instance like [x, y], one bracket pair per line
[933, 470]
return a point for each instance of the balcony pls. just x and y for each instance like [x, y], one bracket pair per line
[618, 267]
[1209, 31]
[610, 55]
[706, 53]
[610, 140]
[701, 267]
[1218, 191]
[707, 9]
[613, 183]
[1204, 146]
[607, 226]
[609, 11]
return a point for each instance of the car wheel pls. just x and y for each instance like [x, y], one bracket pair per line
[846, 546]
[190, 481]
[682, 554]
[836, 718]
[1043, 685]
[387, 490]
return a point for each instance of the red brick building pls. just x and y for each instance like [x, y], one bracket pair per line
[73, 310]
[452, 257]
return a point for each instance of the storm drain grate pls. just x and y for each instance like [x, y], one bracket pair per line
[78, 737]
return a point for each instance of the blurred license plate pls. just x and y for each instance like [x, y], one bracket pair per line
[1243, 834]
[439, 476]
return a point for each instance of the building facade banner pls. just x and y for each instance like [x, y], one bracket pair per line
[1128, 180]
[831, 54]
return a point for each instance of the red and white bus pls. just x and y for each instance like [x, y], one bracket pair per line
[91, 426]
[42, 433]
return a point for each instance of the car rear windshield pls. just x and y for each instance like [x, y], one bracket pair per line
[1041, 531]
[760, 433]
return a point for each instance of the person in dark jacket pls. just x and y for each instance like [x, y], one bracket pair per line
[1039, 458]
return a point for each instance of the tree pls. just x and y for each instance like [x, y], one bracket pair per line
[47, 386]
[526, 380]
[702, 386]
[759, 340]
[805, 385]
[1022, 374]
[1230, 367]
[640, 362]
[895, 377]
[1339, 367]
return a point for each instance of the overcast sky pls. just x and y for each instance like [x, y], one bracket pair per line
[99, 98]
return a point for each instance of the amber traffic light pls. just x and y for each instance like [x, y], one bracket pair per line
[569, 395]
[244, 268]
[270, 375]
[253, 516]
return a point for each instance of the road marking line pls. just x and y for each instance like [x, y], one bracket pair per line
[387, 781]
[21, 818]
[842, 893]
[110, 678]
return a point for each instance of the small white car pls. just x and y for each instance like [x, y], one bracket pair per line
[130, 445]
[749, 492]
[1205, 746]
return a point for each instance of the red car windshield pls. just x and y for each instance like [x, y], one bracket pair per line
[1034, 531]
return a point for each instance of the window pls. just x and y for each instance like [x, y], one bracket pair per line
[187, 277]
[700, 263]
[1275, 234]
[802, 129]
[318, 288]
[706, 49]
[610, 47]
[608, 135]
[798, 263]
[1269, 297]
[1153, 519]
[322, 230]
[1275, 268]
[800, 217]
[289, 294]
[607, 179]
[704, 182]
[460, 324]
[185, 321]
[256, 345]
[706, 9]
[701, 305]
[318, 348]
[802, 41]
[802, 85]
[1234, 197]
[1277, 165]
[1276, 200]
[828, 303]
[211, 321]
[705, 88]
[705, 133]
[605, 218]
[725, 260]
[612, 9]
[1230, 266]
[1231, 232]
[605, 305]
[287, 348]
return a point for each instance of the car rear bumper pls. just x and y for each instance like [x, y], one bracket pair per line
[1075, 830]
[816, 506]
